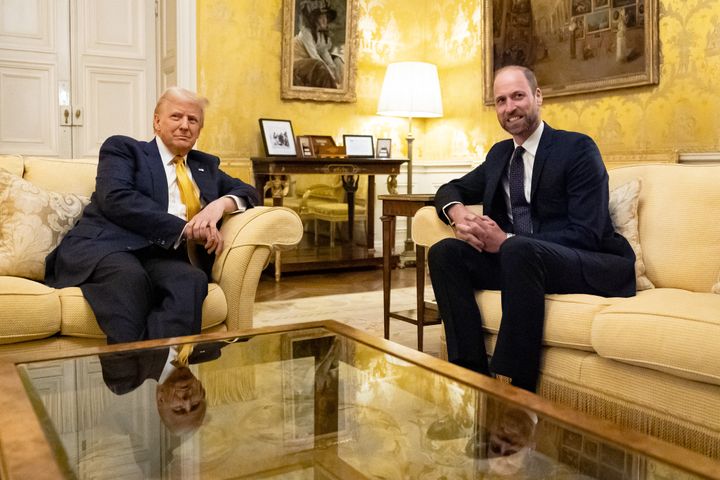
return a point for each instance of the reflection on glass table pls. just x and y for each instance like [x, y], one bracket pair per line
[310, 403]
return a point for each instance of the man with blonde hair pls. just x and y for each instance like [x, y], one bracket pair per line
[156, 205]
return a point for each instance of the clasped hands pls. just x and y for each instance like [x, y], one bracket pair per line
[202, 228]
[480, 231]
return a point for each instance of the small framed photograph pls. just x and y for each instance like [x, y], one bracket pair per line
[278, 138]
[305, 147]
[383, 147]
[359, 146]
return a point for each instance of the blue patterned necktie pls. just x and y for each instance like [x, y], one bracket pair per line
[522, 224]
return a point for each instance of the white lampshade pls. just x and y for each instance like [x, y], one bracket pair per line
[411, 89]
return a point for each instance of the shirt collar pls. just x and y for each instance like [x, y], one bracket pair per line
[533, 141]
[165, 154]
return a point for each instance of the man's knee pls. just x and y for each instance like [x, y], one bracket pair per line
[444, 252]
[518, 249]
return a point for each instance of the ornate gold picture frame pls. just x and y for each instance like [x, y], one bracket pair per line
[578, 47]
[319, 45]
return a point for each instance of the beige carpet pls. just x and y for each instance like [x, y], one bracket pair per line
[363, 311]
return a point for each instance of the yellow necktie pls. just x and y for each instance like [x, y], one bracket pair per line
[188, 195]
[183, 355]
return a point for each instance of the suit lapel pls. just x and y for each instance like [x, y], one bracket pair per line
[495, 174]
[157, 172]
[542, 154]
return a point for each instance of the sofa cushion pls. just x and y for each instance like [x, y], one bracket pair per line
[568, 317]
[78, 320]
[677, 225]
[33, 223]
[75, 175]
[30, 310]
[671, 330]
[13, 164]
[623, 207]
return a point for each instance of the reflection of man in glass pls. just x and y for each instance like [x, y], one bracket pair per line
[316, 61]
[510, 440]
[180, 395]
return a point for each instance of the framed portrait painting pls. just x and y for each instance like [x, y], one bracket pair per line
[593, 45]
[319, 45]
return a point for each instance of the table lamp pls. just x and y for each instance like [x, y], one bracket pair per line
[412, 90]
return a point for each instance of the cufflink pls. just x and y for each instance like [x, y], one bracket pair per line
[504, 379]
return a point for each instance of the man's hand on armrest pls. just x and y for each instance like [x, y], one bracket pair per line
[202, 228]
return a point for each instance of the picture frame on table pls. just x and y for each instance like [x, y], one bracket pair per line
[359, 146]
[306, 72]
[305, 148]
[278, 138]
[384, 148]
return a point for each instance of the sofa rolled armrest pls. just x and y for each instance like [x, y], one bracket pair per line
[250, 239]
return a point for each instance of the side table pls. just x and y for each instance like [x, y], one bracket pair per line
[404, 206]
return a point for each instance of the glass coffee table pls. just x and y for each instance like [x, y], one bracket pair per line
[317, 400]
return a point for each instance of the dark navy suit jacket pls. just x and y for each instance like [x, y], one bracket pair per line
[128, 210]
[568, 200]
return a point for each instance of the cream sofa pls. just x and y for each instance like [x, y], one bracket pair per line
[34, 316]
[649, 362]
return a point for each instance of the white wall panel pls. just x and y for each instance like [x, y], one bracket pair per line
[113, 27]
[27, 24]
[28, 116]
[115, 105]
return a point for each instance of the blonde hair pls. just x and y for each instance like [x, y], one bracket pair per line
[179, 93]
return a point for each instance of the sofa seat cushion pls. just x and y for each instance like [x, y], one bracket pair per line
[78, 320]
[568, 317]
[30, 310]
[674, 331]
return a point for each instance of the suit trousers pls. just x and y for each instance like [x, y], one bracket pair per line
[146, 294]
[524, 270]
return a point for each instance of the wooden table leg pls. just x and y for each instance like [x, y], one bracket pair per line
[420, 292]
[278, 266]
[387, 223]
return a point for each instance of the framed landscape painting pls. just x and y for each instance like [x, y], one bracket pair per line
[319, 45]
[577, 47]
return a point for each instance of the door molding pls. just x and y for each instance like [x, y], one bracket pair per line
[187, 44]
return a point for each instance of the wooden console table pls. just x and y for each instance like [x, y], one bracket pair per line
[404, 206]
[273, 172]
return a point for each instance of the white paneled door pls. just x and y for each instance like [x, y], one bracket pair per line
[73, 72]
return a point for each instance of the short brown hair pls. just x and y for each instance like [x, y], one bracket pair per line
[529, 75]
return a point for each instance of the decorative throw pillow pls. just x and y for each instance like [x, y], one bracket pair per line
[33, 222]
[624, 214]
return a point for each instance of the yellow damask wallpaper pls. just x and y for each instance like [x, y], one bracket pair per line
[239, 48]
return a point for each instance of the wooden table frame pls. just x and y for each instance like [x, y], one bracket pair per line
[404, 206]
[26, 453]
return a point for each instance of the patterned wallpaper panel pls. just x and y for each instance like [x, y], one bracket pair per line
[239, 47]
